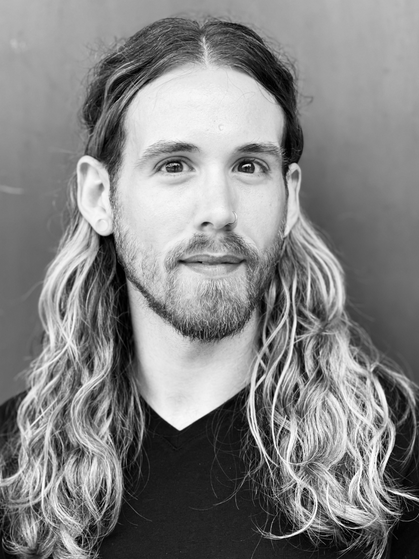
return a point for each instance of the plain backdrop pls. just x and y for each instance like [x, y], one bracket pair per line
[359, 72]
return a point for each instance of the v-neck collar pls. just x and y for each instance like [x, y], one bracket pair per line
[206, 424]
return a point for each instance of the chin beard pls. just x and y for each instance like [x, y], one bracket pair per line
[214, 312]
[208, 310]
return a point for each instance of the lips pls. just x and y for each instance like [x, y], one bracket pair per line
[212, 259]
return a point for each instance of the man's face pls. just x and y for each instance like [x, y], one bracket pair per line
[200, 144]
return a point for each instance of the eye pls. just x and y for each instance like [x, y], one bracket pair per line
[174, 166]
[251, 166]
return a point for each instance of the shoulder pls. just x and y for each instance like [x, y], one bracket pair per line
[8, 409]
[402, 469]
[403, 407]
[8, 413]
[8, 429]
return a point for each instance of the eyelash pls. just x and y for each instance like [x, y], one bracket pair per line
[174, 160]
[264, 169]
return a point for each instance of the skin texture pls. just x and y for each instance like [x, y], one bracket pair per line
[202, 142]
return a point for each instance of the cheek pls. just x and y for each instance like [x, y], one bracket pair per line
[151, 220]
[264, 218]
[135, 220]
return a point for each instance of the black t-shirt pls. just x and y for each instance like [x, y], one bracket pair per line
[190, 501]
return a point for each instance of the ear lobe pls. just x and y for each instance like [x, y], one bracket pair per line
[93, 194]
[293, 201]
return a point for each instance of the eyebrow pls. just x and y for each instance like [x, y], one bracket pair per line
[164, 148]
[169, 147]
[266, 148]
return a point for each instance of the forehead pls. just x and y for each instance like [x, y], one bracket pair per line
[202, 104]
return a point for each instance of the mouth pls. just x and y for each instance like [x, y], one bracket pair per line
[212, 259]
[212, 265]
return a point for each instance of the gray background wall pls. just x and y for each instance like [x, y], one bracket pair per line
[358, 61]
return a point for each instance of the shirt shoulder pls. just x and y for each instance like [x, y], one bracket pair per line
[8, 415]
[403, 470]
[405, 454]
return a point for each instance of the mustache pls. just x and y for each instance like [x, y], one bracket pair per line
[232, 244]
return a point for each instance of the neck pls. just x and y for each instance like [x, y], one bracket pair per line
[183, 380]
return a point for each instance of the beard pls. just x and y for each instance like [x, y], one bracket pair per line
[205, 310]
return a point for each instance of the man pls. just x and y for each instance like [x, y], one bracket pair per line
[202, 392]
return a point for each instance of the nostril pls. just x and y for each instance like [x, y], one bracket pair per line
[217, 219]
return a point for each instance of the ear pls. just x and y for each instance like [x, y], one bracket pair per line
[293, 203]
[93, 194]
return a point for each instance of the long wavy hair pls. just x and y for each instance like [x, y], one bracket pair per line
[321, 430]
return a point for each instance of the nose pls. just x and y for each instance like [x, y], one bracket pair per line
[216, 205]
